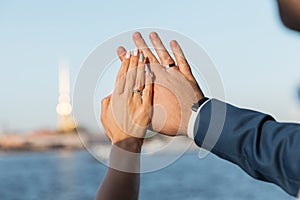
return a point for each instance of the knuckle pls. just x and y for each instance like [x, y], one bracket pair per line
[130, 79]
[167, 59]
[139, 84]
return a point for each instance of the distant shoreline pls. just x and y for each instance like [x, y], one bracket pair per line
[47, 140]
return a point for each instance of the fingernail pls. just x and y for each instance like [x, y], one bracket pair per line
[147, 70]
[135, 52]
[174, 43]
[136, 35]
[141, 57]
[127, 55]
[154, 35]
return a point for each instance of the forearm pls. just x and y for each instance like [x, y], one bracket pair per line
[264, 148]
[122, 179]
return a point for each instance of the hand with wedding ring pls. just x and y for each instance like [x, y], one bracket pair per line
[175, 88]
[126, 113]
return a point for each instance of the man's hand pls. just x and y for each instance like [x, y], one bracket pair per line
[175, 88]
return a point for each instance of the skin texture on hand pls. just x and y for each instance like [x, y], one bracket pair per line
[125, 114]
[175, 88]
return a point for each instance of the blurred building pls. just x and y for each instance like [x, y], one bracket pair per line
[64, 108]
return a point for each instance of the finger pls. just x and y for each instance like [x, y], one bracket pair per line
[121, 77]
[131, 72]
[164, 56]
[140, 77]
[124, 66]
[148, 90]
[182, 63]
[141, 44]
[121, 51]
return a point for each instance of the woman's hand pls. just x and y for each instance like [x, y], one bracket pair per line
[126, 116]
[126, 113]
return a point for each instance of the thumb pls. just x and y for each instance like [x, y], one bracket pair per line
[104, 105]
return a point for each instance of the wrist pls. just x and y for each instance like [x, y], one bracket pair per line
[125, 155]
[130, 144]
[195, 112]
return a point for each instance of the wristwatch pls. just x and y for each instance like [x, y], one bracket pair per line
[197, 105]
[195, 111]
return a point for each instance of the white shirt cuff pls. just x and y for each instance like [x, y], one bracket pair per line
[191, 125]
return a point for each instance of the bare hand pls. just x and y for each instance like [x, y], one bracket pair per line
[126, 114]
[175, 89]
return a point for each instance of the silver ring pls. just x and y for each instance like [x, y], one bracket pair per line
[170, 65]
[137, 91]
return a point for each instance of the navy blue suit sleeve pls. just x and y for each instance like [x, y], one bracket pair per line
[265, 149]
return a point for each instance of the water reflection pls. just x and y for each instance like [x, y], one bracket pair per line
[76, 175]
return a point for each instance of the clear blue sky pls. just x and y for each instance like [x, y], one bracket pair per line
[257, 58]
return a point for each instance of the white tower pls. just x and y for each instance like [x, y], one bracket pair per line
[64, 108]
